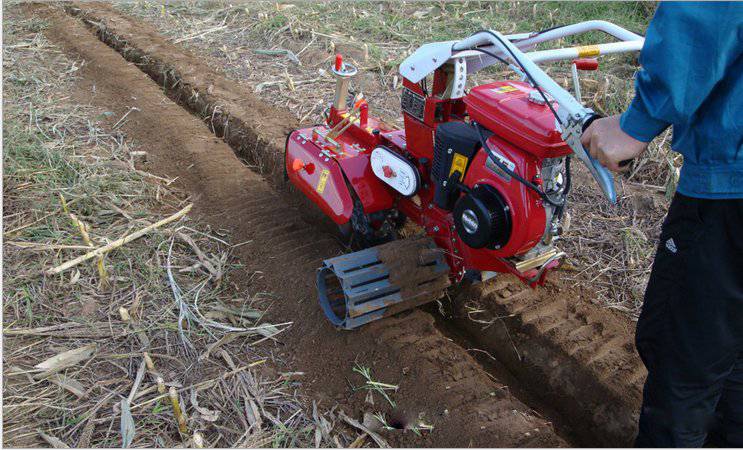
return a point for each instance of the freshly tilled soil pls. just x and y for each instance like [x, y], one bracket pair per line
[579, 358]
[567, 352]
[438, 381]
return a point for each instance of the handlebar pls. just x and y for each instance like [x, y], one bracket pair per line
[629, 42]
[485, 48]
[578, 28]
[604, 178]
[571, 115]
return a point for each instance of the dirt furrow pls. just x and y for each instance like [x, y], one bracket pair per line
[438, 381]
[579, 357]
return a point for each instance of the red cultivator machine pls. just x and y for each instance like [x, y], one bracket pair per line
[484, 172]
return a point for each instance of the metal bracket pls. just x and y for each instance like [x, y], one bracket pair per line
[571, 134]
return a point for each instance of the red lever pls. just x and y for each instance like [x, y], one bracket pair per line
[586, 63]
[338, 62]
[363, 114]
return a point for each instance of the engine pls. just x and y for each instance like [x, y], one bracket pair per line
[484, 174]
[502, 174]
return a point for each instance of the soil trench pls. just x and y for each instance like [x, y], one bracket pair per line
[578, 357]
[438, 381]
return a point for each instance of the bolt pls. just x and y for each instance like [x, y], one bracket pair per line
[444, 183]
[449, 151]
[430, 206]
[436, 229]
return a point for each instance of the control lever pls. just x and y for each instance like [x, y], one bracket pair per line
[601, 174]
[588, 122]
[581, 64]
[572, 134]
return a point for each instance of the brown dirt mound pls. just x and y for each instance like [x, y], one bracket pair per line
[243, 120]
[408, 261]
[437, 379]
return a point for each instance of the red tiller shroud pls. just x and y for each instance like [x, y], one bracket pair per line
[327, 171]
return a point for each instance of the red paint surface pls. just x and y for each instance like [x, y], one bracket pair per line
[349, 163]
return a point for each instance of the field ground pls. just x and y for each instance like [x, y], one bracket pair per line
[222, 299]
[70, 185]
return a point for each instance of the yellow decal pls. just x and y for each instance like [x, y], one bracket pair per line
[323, 181]
[588, 50]
[504, 89]
[459, 163]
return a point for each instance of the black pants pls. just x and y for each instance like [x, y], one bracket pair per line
[690, 332]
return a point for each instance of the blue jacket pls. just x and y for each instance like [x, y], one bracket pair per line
[692, 78]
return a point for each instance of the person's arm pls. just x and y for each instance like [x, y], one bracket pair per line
[687, 50]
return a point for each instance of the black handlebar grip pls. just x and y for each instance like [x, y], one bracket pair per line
[590, 120]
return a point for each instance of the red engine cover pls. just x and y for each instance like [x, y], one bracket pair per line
[504, 108]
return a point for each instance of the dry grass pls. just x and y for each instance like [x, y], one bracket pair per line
[283, 52]
[90, 355]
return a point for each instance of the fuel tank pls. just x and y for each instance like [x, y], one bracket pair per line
[516, 112]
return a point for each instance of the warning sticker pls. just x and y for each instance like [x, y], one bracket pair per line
[504, 89]
[459, 163]
[323, 181]
[490, 164]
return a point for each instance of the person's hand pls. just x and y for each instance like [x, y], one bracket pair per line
[607, 143]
